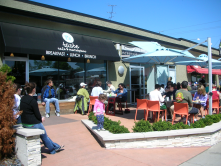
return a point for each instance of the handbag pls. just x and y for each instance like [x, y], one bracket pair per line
[127, 111]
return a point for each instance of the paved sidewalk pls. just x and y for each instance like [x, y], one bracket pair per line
[82, 149]
[210, 157]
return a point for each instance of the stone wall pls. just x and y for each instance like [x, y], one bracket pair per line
[206, 136]
[28, 147]
[168, 142]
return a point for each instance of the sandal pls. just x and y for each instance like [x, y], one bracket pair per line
[58, 149]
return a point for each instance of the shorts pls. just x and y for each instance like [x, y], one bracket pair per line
[194, 111]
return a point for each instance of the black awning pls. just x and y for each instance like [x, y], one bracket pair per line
[31, 40]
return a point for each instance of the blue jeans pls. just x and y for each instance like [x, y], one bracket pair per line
[19, 119]
[100, 121]
[47, 104]
[45, 139]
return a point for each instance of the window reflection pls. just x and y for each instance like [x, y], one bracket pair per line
[96, 71]
[66, 76]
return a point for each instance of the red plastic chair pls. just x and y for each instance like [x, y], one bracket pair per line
[92, 102]
[215, 106]
[142, 105]
[155, 107]
[181, 109]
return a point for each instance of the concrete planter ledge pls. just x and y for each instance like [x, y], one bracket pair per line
[206, 136]
[28, 147]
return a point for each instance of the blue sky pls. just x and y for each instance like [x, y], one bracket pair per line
[189, 19]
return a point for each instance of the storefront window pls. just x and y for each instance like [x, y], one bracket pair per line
[96, 71]
[66, 75]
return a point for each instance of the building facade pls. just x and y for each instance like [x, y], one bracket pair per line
[40, 41]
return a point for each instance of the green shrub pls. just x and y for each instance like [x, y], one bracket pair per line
[142, 126]
[198, 124]
[112, 126]
[215, 118]
[162, 126]
[117, 129]
[207, 121]
[6, 69]
[180, 125]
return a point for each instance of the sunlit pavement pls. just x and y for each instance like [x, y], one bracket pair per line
[81, 148]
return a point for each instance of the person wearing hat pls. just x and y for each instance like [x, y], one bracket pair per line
[82, 98]
[194, 87]
[202, 80]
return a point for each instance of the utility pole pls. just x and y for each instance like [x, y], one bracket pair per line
[112, 11]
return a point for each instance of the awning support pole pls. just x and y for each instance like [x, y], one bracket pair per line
[210, 75]
[194, 46]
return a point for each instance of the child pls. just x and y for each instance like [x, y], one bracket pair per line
[99, 110]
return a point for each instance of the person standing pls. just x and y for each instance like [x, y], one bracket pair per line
[48, 94]
[97, 90]
[194, 87]
[99, 111]
[202, 80]
[31, 117]
[16, 106]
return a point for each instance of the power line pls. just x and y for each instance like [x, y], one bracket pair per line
[196, 30]
[188, 26]
[112, 11]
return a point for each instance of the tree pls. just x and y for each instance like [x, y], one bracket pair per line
[6, 69]
[7, 120]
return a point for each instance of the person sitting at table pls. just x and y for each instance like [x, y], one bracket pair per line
[178, 85]
[155, 95]
[194, 87]
[82, 99]
[162, 90]
[110, 87]
[97, 90]
[207, 88]
[184, 96]
[171, 92]
[215, 92]
[121, 93]
[202, 96]
[167, 89]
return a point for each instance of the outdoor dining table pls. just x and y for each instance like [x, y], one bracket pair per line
[111, 104]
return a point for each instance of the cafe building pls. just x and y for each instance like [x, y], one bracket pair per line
[41, 42]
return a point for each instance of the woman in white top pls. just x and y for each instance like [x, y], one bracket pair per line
[110, 89]
[16, 106]
[97, 90]
[155, 95]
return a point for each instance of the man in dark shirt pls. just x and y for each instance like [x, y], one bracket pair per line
[171, 92]
[202, 80]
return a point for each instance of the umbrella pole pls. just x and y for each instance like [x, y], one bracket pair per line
[210, 75]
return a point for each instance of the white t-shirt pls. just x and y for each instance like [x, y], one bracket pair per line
[162, 90]
[96, 91]
[16, 106]
[155, 95]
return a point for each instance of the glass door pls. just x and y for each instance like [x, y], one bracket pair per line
[20, 68]
[137, 83]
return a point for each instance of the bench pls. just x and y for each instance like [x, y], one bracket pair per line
[28, 147]
[66, 107]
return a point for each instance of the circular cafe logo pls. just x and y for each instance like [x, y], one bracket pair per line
[67, 37]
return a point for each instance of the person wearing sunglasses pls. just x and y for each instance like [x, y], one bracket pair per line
[16, 106]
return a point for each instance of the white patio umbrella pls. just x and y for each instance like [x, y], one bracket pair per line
[160, 55]
[202, 61]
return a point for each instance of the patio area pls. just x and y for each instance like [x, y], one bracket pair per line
[81, 147]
